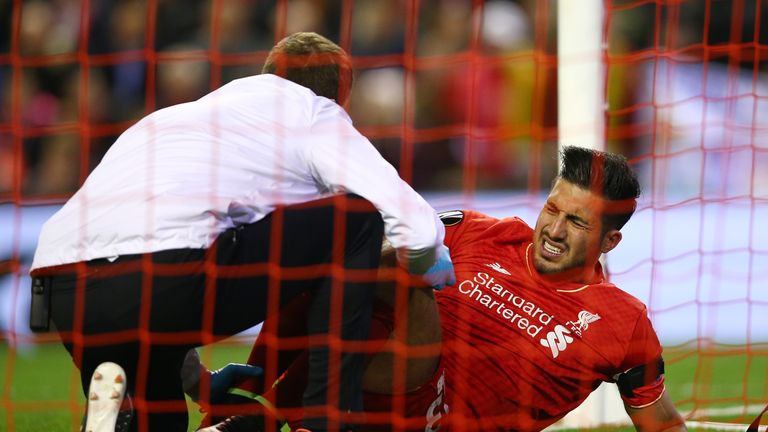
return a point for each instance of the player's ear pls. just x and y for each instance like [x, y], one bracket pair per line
[610, 239]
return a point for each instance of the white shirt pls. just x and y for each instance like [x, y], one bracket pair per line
[183, 174]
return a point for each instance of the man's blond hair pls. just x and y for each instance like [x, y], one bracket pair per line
[312, 61]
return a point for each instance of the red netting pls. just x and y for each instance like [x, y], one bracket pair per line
[460, 96]
[686, 95]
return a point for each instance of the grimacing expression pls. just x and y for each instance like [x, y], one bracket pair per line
[568, 235]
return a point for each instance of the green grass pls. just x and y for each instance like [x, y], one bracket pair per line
[40, 388]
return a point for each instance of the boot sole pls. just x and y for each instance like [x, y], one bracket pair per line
[105, 397]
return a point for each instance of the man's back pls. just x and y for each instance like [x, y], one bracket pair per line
[185, 173]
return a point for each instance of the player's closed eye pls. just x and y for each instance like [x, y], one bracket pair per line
[578, 223]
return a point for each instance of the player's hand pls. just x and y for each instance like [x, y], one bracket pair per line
[224, 379]
[441, 273]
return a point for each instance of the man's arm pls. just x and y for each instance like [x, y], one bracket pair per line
[342, 160]
[656, 417]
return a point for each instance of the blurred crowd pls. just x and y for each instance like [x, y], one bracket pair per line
[415, 72]
[458, 94]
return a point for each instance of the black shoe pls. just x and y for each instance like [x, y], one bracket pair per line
[125, 416]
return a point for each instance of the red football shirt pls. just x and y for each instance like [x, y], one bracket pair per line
[520, 352]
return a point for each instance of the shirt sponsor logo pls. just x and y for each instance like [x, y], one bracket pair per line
[496, 266]
[510, 306]
[558, 339]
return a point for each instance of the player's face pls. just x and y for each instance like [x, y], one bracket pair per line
[567, 237]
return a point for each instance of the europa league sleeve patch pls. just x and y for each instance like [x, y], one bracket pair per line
[451, 217]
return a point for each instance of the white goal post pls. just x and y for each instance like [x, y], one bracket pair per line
[581, 121]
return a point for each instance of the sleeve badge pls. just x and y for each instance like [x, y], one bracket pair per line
[451, 217]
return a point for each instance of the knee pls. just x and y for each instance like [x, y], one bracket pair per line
[365, 232]
[372, 229]
[374, 226]
[364, 215]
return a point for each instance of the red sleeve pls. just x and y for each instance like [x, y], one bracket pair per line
[644, 350]
[461, 225]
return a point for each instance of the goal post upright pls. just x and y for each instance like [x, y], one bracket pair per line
[581, 105]
[580, 73]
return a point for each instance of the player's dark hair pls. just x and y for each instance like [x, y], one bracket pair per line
[607, 175]
[314, 62]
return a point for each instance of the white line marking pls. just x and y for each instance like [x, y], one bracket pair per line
[722, 426]
[725, 411]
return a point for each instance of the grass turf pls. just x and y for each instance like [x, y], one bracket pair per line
[40, 388]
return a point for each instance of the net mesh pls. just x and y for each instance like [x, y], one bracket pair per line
[460, 96]
[686, 101]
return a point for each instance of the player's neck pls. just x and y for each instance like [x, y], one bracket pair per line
[582, 275]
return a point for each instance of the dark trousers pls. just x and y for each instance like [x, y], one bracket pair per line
[145, 312]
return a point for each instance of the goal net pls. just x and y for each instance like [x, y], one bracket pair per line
[461, 97]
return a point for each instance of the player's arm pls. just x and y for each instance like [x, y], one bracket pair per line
[641, 385]
[658, 416]
[646, 400]
[416, 325]
[417, 322]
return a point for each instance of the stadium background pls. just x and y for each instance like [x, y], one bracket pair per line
[461, 96]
